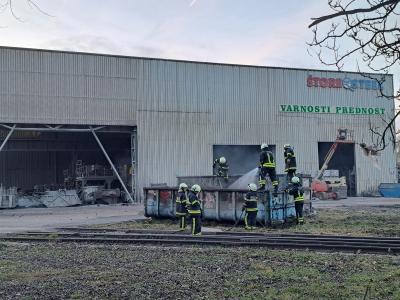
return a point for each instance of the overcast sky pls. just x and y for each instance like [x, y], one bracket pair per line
[260, 32]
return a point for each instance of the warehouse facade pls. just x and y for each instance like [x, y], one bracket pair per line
[168, 118]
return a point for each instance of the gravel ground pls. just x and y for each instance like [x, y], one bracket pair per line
[76, 271]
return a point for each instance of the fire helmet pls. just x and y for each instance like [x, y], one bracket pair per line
[183, 186]
[196, 188]
[252, 187]
[295, 179]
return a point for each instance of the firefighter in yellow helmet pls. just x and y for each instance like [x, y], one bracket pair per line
[250, 206]
[267, 167]
[222, 167]
[296, 190]
[182, 201]
[194, 209]
[290, 161]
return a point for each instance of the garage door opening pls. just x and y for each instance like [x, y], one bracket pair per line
[342, 160]
[49, 161]
[241, 158]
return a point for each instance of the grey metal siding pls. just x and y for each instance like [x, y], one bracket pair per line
[183, 108]
[240, 106]
[62, 88]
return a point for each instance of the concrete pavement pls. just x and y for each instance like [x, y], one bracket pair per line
[47, 219]
[357, 202]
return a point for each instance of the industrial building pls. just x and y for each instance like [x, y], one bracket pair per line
[157, 119]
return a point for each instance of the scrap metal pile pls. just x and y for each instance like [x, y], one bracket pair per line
[89, 184]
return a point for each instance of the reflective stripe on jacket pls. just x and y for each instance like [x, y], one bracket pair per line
[290, 160]
[297, 192]
[181, 203]
[194, 206]
[267, 159]
[250, 203]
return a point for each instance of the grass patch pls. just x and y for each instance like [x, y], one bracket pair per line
[76, 271]
[372, 221]
[53, 235]
[149, 223]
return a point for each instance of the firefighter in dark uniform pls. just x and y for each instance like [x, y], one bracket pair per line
[250, 206]
[296, 190]
[194, 209]
[267, 166]
[290, 162]
[222, 167]
[182, 202]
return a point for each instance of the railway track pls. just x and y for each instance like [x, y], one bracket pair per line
[227, 239]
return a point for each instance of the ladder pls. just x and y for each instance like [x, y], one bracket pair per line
[327, 159]
[344, 136]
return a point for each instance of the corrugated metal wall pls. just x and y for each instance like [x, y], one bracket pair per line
[64, 88]
[182, 109]
[200, 105]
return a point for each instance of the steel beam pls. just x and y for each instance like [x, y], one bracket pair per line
[133, 163]
[111, 164]
[7, 137]
[52, 129]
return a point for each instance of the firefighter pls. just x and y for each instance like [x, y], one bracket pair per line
[290, 162]
[267, 166]
[296, 190]
[194, 209]
[222, 167]
[250, 206]
[182, 202]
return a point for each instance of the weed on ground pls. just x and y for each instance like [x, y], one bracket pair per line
[79, 271]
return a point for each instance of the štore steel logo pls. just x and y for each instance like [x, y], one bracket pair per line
[346, 83]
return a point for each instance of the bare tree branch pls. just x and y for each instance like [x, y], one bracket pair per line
[9, 5]
[370, 30]
[350, 12]
[37, 7]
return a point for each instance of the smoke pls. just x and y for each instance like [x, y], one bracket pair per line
[241, 158]
[242, 182]
[192, 3]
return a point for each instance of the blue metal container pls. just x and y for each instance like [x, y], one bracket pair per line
[221, 205]
[389, 190]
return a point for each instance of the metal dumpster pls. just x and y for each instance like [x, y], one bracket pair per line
[209, 181]
[389, 190]
[221, 204]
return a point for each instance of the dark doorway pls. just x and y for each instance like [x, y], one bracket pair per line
[46, 158]
[241, 158]
[343, 160]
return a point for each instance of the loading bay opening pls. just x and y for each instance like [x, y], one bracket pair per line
[241, 158]
[98, 162]
[343, 160]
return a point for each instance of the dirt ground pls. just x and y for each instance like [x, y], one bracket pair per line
[76, 271]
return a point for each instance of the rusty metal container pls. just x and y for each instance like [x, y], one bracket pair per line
[209, 181]
[221, 204]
